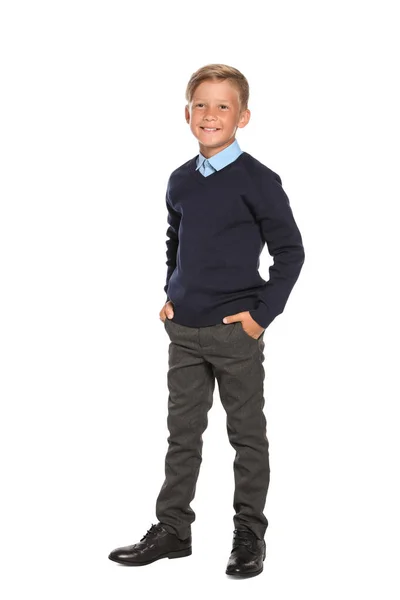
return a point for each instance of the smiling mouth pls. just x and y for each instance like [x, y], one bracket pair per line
[210, 129]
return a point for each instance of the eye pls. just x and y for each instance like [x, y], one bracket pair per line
[202, 104]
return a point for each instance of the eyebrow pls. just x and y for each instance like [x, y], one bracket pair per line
[217, 99]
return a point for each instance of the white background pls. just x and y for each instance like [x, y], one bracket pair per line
[92, 124]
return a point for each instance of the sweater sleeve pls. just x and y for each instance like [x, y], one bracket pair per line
[172, 242]
[282, 236]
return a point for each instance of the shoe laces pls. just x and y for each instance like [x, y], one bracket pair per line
[243, 538]
[152, 531]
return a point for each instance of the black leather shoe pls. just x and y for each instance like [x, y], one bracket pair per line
[155, 544]
[247, 556]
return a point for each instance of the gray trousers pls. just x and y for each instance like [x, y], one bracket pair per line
[197, 356]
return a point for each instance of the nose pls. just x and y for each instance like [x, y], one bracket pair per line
[209, 116]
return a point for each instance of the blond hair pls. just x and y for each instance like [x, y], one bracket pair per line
[221, 72]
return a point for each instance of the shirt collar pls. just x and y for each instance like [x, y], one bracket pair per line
[222, 158]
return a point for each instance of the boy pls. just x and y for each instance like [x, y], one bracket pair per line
[223, 206]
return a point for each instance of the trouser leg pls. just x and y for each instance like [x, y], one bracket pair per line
[191, 385]
[240, 375]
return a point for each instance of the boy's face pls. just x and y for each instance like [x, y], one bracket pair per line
[215, 104]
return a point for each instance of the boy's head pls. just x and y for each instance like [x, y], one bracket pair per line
[217, 97]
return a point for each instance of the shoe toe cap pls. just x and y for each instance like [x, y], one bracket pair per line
[233, 570]
[123, 553]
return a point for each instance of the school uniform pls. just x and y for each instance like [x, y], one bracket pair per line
[221, 212]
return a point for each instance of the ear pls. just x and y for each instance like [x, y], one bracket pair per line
[244, 118]
[187, 114]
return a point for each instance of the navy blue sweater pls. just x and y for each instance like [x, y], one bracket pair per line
[218, 226]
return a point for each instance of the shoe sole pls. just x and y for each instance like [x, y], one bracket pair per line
[245, 575]
[175, 554]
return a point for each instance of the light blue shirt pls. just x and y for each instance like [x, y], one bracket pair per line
[207, 166]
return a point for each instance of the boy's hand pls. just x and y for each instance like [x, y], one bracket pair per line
[167, 311]
[250, 326]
